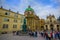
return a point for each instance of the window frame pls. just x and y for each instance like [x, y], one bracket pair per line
[6, 19]
[5, 26]
[14, 26]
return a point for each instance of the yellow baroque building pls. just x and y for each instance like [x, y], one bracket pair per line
[10, 21]
[51, 23]
[33, 21]
[42, 23]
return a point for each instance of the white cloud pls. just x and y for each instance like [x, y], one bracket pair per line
[43, 12]
[40, 10]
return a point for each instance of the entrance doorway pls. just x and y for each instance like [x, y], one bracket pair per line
[51, 27]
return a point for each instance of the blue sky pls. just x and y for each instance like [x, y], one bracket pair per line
[42, 8]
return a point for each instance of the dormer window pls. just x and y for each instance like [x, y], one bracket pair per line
[14, 26]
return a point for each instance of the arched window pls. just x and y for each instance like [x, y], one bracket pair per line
[58, 27]
[51, 27]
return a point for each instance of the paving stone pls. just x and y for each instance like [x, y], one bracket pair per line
[15, 37]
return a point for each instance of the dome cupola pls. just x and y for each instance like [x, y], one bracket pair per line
[29, 9]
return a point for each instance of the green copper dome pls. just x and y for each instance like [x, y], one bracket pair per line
[29, 9]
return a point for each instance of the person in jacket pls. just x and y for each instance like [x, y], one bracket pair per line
[59, 35]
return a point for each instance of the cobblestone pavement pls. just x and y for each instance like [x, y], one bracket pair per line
[15, 37]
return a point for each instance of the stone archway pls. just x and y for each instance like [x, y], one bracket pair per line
[51, 27]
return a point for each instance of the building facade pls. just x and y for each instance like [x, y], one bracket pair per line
[32, 19]
[51, 23]
[42, 23]
[10, 21]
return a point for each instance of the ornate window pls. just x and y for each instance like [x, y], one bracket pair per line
[50, 20]
[14, 26]
[5, 25]
[15, 20]
[6, 19]
[58, 27]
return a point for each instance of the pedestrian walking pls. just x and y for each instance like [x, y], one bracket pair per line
[36, 34]
[59, 35]
[42, 33]
[49, 35]
[53, 35]
[46, 36]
